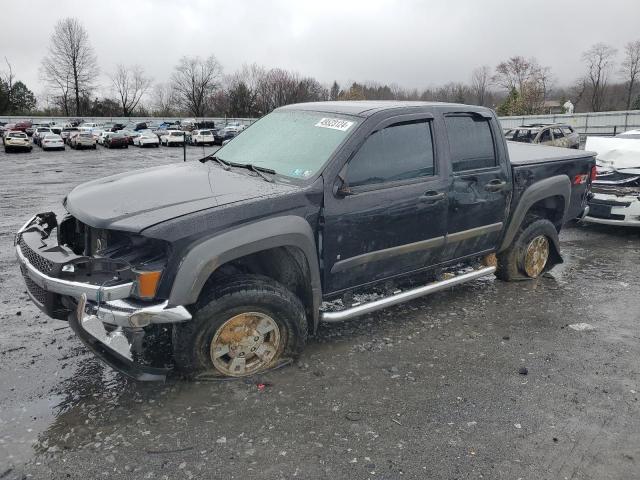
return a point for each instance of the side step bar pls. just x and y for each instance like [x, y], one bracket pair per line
[404, 296]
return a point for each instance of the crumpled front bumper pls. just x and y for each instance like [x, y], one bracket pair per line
[105, 317]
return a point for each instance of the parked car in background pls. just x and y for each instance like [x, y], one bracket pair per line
[89, 125]
[146, 138]
[74, 122]
[17, 140]
[67, 132]
[57, 129]
[555, 134]
[130, 134]
[172, 137]
[103, 135]
[615, 198]
[39, 133]
[220, 136]
[52, 141]
[8, 127]
[23, 127]
[82, 140]
[116, 140]
[201, 137]
[206, 124]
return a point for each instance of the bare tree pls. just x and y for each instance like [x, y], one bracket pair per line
[70, 62]
[630, 68]
[6, 78]
[130, 85]
[195, 81]
[526, 83]
[599, 59]
[480, 84]
[163, 100]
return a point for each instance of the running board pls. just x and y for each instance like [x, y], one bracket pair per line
[404, 296]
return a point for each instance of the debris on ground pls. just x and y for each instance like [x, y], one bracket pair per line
[582, 327]
[523, 371]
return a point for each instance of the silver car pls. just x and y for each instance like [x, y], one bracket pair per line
[82, 140]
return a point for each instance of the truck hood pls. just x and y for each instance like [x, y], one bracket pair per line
[133, 201]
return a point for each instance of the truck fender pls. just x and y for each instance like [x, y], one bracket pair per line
[203, 258]
[557, 186]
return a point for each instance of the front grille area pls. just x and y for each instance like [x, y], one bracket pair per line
[38, 292]
[41, 263]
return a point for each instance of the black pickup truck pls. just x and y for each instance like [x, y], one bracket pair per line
[224, 266]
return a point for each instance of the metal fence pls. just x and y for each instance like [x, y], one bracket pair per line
[125, 120]
[593, 124]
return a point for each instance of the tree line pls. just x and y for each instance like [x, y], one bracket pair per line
[199, 87]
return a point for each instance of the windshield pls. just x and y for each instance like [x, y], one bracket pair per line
[294, 143]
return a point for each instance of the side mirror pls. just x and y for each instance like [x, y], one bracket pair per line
[341, 188]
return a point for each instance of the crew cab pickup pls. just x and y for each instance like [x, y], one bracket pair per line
[224, 266]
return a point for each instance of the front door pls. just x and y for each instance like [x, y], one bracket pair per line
[389, 217]
[480, 186]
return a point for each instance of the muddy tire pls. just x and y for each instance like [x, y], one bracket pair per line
[531, 253]
[246, 326]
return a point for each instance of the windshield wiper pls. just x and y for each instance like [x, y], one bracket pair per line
[222, 162]
[258, 170]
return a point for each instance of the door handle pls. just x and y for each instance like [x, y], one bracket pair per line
[432, 197]
[495, 185]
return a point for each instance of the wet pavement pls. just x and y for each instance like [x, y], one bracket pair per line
[429, 389]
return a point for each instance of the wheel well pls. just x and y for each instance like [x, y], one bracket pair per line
[286, 265]
[551, 208]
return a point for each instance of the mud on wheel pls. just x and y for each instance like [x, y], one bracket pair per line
[532, 252]
[246, 326]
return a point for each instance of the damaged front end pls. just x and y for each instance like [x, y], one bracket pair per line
[615, 197]
[104, 282]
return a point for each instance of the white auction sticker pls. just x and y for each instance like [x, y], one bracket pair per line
[335, 123]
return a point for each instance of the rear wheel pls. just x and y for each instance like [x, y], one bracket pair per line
[246, 326]
[530, 254]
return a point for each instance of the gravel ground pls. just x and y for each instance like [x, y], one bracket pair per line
[430, 389]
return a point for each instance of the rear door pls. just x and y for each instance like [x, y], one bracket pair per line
[480, 186]
[391, 218]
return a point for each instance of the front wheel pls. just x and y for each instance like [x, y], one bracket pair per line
[248, 325]
[532, 252]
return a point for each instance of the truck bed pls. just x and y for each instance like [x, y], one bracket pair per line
[530, 154]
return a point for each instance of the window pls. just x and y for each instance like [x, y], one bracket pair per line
[557, 133]
[400, 152]
[567, 130]
[545, 136]
[470, 142]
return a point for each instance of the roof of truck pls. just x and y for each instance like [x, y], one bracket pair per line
[369, 107]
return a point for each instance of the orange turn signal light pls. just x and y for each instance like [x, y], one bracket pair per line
[148, 284]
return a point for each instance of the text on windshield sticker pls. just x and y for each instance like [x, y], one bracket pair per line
[335, 124]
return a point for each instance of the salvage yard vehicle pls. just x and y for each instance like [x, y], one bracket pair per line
[172, 137]
[201, 137]
[51, 141]
[555, 134]
[67, 132]
[616, 191]
[229, 260]
[17, 141]
[116, 140]
[82, 140]
[39, 133]
[146, 139]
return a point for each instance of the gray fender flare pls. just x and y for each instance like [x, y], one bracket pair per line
[202, 259]
[557, 186]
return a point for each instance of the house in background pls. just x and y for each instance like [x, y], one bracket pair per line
[553, 107]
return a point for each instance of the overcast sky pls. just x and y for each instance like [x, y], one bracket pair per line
[411, 43]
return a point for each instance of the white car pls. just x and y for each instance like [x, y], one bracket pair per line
[17, 141]
[51, 141]
[172, 137]
[146, 139]
[39, 134]
[202, 137]
[102, 136]
[89, 125]
[96, 132]
[235, 127]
